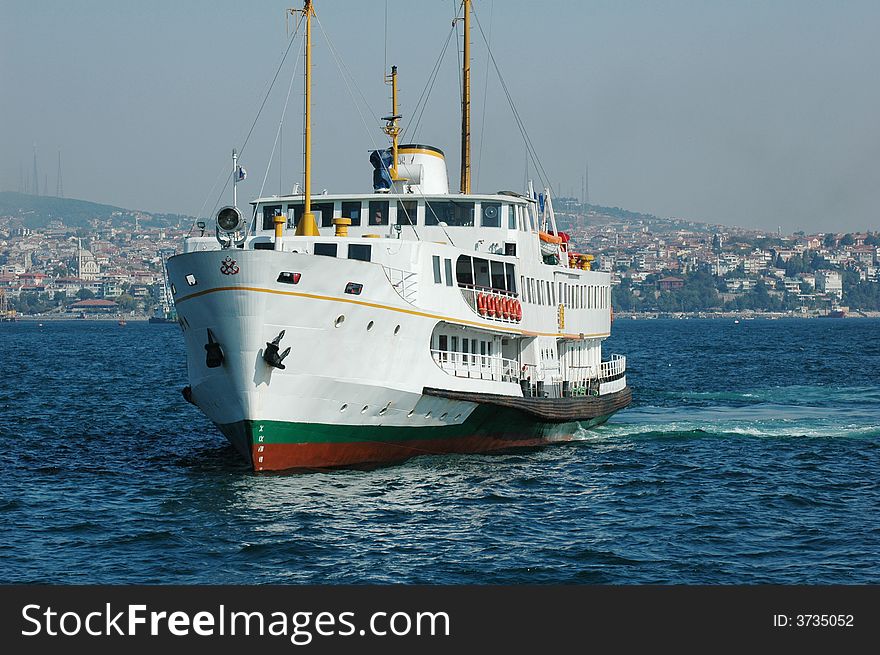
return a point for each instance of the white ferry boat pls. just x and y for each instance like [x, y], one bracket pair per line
[345, 329]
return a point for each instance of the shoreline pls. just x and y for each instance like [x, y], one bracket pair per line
[736, 315]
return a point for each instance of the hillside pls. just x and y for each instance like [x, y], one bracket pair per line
[37, 211]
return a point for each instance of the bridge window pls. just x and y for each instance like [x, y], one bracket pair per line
[269, 214]
[352, 210]
[511, 217]
[453, 213]
[436, 260]
[407, 210]
[378, 212]
[448, 263]
[323, 212]
[491, 212]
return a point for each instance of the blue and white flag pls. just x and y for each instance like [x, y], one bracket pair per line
[240, 174]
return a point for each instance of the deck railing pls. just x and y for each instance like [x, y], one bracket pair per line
[479, 367]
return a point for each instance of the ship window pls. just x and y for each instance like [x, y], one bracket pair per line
[540, 292]
[453, 213]
[448, 263]
[489, 349]
[454, 346]
[552, 288]
[326, 249]
[463, 272]
[511, 277]
[352, 210]
[474, 351]
[443, 346]
[323, 212]
[481, 272]
[511, 217]
[359, 251]
[522, 285]
[407, 210]
[491, 212]
[269, 213]
[191, 280]
[436, 259]
[294, 213]
[497, 269]
[483, 348]
[378, 212]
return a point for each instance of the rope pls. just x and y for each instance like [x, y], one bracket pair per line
[539, 167]
[262, 105]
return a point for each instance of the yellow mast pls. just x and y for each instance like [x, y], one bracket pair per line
[466, 103]
[307, 226]
[392, 128]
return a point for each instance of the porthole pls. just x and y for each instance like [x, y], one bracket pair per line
[428, 415]
[384, 410]
[457, 416]
[344, 407]
[443, 416]
[366, 407]
[369, 326]
[411, 412]
[339, 321]
[397, 329]
[191, 280]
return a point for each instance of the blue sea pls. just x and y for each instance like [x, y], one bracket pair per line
[751, 454]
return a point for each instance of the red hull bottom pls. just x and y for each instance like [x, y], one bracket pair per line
[277, 457]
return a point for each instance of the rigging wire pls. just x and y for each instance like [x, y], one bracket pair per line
[539, 167]
[340, 64]
[429, 86]
[485, 101]
[262, 105]
[280, 125]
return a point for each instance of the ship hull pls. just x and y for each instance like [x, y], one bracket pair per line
[281, 445]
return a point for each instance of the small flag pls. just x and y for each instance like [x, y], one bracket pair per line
[240, 174]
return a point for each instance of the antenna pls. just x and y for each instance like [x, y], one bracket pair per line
[59, 186]
[36, 174]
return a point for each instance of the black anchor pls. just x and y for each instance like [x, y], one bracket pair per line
[270, 354]
[214, 358]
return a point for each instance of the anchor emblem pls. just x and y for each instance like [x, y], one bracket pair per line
[228, 267]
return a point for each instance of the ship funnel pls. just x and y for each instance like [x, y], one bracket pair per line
[423, 169]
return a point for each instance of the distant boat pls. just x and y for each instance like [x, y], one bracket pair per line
[121, 322]
[835, 313]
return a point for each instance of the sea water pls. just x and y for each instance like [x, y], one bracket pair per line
[751, 454]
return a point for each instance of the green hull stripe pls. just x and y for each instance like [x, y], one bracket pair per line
[484, 421]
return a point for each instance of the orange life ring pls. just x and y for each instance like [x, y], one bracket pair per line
[481, 303]
[509, 303]
[490, 305]
[504, 312]
[517, 309]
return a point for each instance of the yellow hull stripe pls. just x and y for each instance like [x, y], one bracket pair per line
[389, 308]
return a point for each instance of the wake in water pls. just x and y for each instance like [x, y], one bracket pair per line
[795, 411]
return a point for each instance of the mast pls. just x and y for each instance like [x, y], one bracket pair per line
[392, 128]
[466, 103]
[307, 226]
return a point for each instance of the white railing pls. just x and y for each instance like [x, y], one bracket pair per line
[614, 366]
[405, 283]
[591, 380]
[478, 367]
[470, 293]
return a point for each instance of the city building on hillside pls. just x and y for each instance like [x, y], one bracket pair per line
[670, 283]
[830, 283]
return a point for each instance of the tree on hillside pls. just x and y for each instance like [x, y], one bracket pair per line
[85, 294]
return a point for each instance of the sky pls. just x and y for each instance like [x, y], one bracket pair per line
[757, 113]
